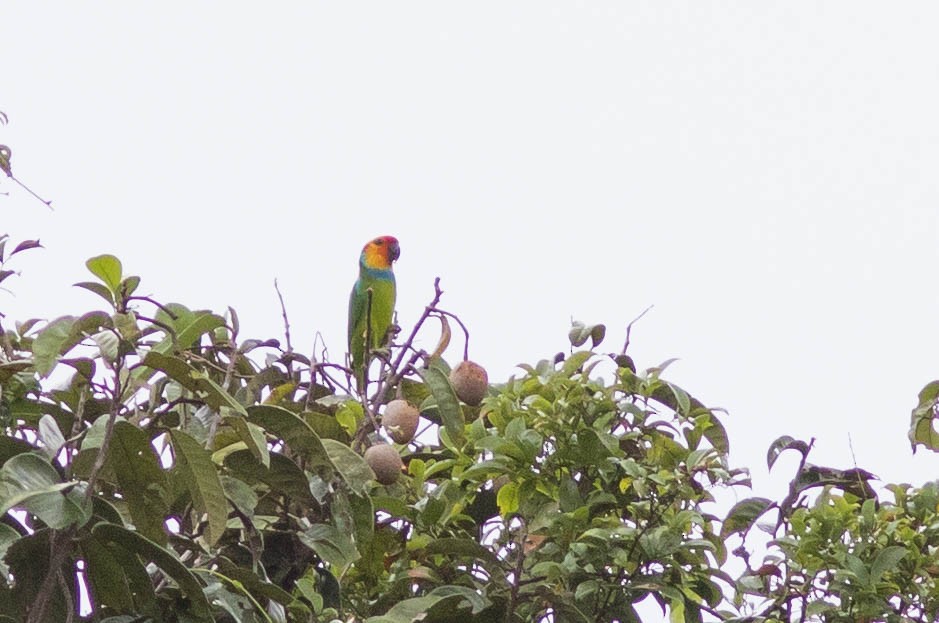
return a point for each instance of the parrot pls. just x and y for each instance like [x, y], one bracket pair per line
[375, 274]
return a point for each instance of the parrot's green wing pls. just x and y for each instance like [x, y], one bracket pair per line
[382, 286]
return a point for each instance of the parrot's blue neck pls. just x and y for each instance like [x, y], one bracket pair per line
[376, 273]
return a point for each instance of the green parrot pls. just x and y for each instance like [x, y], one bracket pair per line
[374, 274]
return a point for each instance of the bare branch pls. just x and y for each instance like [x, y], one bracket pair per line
[283, 311]
[629, 327]
[385, 380]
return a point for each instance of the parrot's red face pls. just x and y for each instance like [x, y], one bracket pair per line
[381, 252]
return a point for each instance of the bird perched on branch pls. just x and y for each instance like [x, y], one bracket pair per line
[372, 303]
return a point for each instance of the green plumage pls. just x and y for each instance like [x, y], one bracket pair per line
[374, 275]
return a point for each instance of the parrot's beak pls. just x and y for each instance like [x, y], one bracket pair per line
[394, 251]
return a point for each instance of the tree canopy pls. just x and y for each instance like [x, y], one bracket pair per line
[156, 465]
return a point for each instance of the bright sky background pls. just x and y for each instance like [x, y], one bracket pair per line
[764, 174]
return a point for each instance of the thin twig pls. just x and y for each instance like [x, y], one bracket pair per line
[229, 372]
[76, 429]
[157, 304]
[108, 432]
[59, 547]
[629, 327]
[386, 381]
[516, 581]
[283, 311]
[321, 366]
[61, 541]
[316, 368]
[30, 191]
[69, 602]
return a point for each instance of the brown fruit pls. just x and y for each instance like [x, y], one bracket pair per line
[385, 462]
[470, 382]
[400, 420]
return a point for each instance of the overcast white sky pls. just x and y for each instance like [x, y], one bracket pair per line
[763, 173]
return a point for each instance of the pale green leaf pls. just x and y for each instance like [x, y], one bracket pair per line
[162, 558]
[448, 405]
[108, 269]
[200, 476]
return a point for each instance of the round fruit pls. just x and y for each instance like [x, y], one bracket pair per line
[400, 420]
[385, 462]
[470, 382]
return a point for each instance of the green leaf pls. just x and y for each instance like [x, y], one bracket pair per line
[744, 514]
[782, 444]
[11, 446]
[354, 470]
[922, 431]
[284, 476]
[189, 326]
[325, 426]
[134, 464]
[713, 431]
[192, 379]
[416, 608]
[59, 336]
[253, 437]
[98, 288]
[363, 518]
[477, 602]
[174, 367]
[349, 414]
[660, 542]
[162, 558]
[580, 333]
[108, 577]
[31, 482]
[216, 397]
[28, 559]
[331, 545]
[856, 566]
[251, 582]
[293, 430]
[240, 495]
[507, 499]
[448, 404]
[586, 589]
[108, 345]
[50, 435]
[681, 398]
[887, 560]
[8, 536]
[56, 337]
[108, 269]
[129, 285]
[676, 604]
[575, 363]
[200, 476]
[464, 548]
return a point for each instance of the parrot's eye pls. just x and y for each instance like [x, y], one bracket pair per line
[379, 241]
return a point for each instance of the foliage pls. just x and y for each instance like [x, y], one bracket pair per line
[155, 466]
[843, 554]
